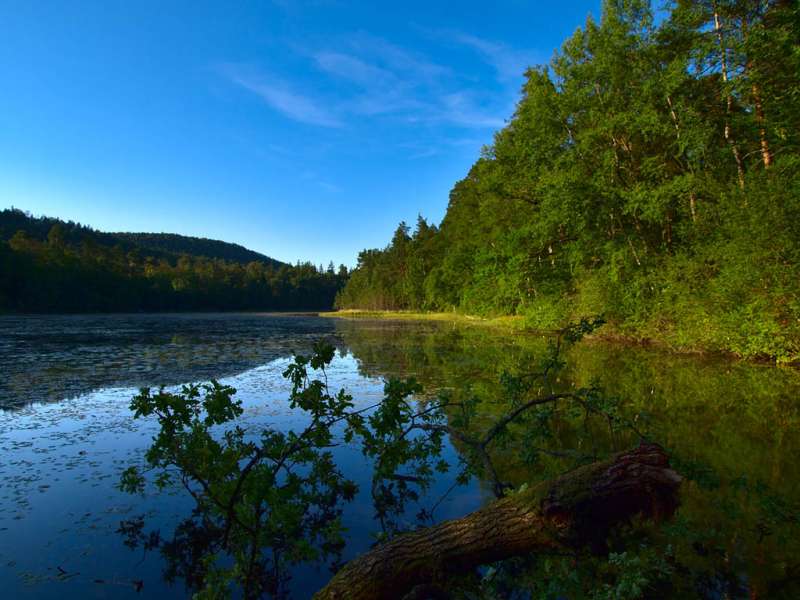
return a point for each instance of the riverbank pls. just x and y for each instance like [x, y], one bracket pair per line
[513, 323]
[519, 324]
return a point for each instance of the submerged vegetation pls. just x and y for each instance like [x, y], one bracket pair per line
[650, 173]
[47, 265]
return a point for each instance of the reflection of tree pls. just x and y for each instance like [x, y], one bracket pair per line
[190, 555]
[536, 423]
[266, 503]
[261, 504]
[733, 430]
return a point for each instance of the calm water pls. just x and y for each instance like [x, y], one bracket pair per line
[66, 432]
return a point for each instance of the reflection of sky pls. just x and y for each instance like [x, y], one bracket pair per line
[59, 506]
[61, 459]
[50, 358]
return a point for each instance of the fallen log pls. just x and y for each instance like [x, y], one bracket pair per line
[577, 508]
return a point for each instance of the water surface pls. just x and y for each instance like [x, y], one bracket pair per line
[66, 432]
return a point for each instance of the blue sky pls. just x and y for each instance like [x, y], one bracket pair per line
[304, 130]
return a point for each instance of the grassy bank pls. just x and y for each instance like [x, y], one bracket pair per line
[520, 324]
[512, 323]
[616, 188]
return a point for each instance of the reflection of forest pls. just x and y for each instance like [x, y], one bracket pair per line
[733, 429]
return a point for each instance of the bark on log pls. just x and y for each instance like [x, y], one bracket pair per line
[575, 509]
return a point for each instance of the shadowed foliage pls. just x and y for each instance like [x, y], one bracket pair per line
[51, 266]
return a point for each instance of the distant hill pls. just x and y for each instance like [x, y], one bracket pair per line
[53, 266]
[173, 243]
[159, 245]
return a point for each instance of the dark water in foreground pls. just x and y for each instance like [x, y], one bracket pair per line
[66, 432]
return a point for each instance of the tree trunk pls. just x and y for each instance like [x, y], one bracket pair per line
[766, 153]
[692, 194]
[737, 156]
[577, 508]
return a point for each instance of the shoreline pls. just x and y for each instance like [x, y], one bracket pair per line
[511, 322]
[277, 313]
[516, 324]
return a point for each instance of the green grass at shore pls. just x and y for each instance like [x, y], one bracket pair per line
[513, 322]
[520, 324]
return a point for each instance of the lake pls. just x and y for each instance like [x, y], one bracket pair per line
[66, 433]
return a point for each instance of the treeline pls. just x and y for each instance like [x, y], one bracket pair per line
[172, 243]
[77, 269]
[650, 173]
[157, 245]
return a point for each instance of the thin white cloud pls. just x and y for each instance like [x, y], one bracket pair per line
[460, 142]
[374, 78]
[437, 145]
[398, 59]
[424, 154]
[419, 149]
[313, 177]
[509, 63]
[394, 82]
[460, 108]
[353, 69]
[296, 6]
[329, 187]
[389, 79]
[281, 97]
[281, 150]
[380, 90]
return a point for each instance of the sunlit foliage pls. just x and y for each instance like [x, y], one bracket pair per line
[650, 173]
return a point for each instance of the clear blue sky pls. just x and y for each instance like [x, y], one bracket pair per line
[304, 130]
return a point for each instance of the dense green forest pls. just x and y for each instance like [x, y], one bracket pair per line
[158, 245]
[181, 244]
[650, 173]
[47, 265]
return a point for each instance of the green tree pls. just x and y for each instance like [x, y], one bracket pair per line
[649, 173]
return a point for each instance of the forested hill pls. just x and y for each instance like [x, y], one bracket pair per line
[161, 245]
[48, 265]
[182, 244]
[650, 173]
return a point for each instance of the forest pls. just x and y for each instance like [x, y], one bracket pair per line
[47, 266]
[650, 173]
[646, 188]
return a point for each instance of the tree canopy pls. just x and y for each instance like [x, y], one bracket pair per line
[47, 265]
[650, 172]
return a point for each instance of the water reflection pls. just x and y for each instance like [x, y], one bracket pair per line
[49, 358]
[734, 427]
[60, 509]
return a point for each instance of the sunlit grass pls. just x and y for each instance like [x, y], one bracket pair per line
[510, 322]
